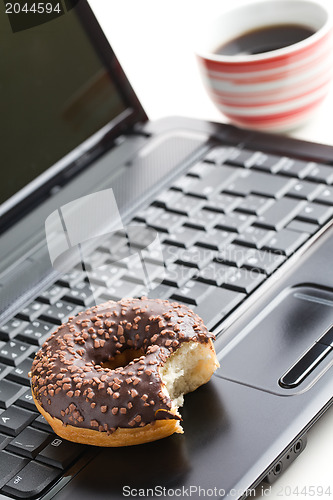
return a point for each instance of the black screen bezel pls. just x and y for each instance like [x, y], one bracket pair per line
[37, 190]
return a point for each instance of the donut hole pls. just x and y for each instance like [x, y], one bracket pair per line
[122, 359]
[186, 369]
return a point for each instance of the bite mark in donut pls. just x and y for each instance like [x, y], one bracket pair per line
[115, 374]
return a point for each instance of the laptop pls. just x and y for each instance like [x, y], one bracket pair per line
[236, 224]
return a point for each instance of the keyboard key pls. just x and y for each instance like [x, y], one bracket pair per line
[127, 260]
[223, 202]
[183, 183]
[268, 162]
[232, 254]
[9, 466]
[186, 205]
[248, 181]
[60, 453]
[31, 311]
[4, 370]
[167, 221]
[201, 169]
[36, 332]
[193, 292]
[267, 262]
[31, 480]
[235, 221]
[211, 184]
[325, 196]
[147, 289]
[306, 190]
[14, 352]
[217, 304]
[14, 420]
[303, 227]
[145, 273]
[19, 374]
[160, 292]
[59, 312]
[92, 260]
[321, 173]
[254, 204]
[41, 423]
[215, 273]
[26, 401]
[204, 219]
[169, 254]
[297, 168]
[10, 329]
[218, 154]
[112, 243]
[254, 236]
[105, 275]
[29, 442]
[280, 214]
[216, 239]
[177, 275]
[82, 294]
[9, 392]
[159, 218]
[243, 280]
[125, 257]
[4, 440]
[71, 278]
[286, 241]
[116, 255]
[316, 213]
[196, 256]
[52, 294]
[167, 198]
[142, 237]
[242, 157]
[119, 290]
[183, 236]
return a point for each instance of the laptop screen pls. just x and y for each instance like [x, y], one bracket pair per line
[55, 93]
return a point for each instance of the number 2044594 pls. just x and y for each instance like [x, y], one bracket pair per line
[305, 491]
[34, 8]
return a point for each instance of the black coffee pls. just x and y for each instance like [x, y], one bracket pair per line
[265, 39]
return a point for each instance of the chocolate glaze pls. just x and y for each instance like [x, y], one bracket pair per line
[70, 383]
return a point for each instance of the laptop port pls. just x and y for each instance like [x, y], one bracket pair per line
[277, 469]
[290, 454]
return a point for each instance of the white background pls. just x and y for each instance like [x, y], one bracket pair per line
[154, 41]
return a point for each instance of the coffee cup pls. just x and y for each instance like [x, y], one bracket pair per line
[267, 64]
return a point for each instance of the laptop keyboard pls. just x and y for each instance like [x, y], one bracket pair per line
[225, 226]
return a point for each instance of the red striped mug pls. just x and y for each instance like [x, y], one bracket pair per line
[275, 90]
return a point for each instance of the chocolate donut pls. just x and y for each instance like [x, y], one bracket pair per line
[115, 374]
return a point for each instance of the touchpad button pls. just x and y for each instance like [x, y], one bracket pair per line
[279, 342]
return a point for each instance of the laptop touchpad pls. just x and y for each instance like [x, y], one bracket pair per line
[287, 347]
